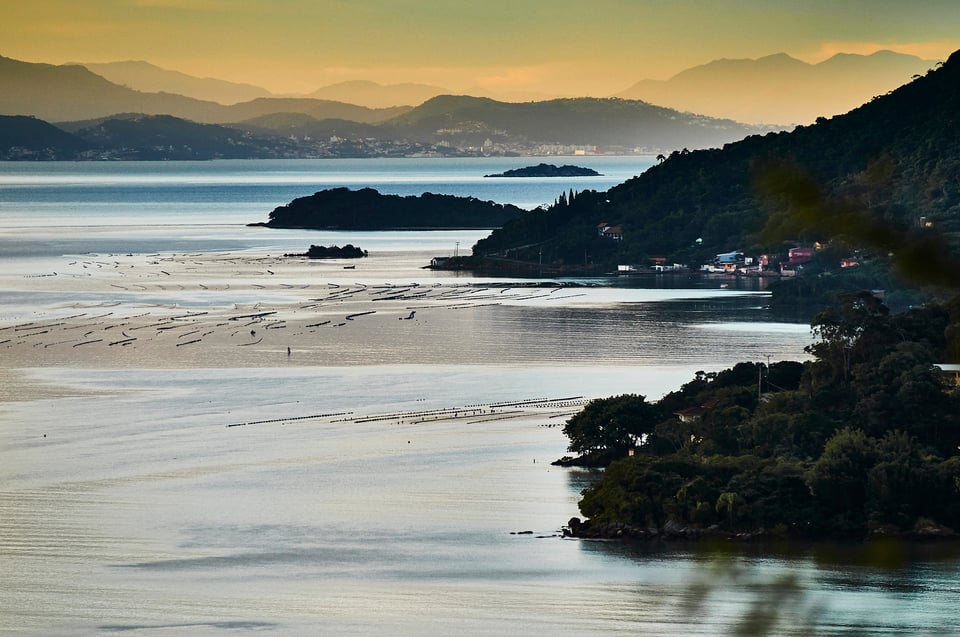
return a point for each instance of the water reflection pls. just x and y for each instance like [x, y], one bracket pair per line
[787, 588]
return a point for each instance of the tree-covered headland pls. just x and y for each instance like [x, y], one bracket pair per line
[863, 439]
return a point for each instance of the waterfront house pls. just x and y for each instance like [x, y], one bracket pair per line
[606, 231]
[693, 413]
[951, 375]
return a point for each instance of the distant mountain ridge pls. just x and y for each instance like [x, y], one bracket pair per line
[775, 89]
[135, 137]
[779, 89]
[72, 92]
[441, 126]
[374, 95]
[146, 77]
[613, 125]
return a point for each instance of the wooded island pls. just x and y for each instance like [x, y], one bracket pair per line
[367, 209]
[548, 170]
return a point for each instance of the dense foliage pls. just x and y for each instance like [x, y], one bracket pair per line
[888, 163]
[367, 209]
[605, 429]
[863, 438]
[548, 170]
[348, 251]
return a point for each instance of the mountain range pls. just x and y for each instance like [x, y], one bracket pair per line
[776, 89]
[442, 126]
[83, 103]
[149, 78]
[143, 76]
[71, 92]
[373, 95]
[779, 89]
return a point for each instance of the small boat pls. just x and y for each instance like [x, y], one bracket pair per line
[349, 267]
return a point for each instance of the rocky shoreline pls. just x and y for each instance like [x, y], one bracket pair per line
[672, 531]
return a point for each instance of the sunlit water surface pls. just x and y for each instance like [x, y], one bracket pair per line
[129, 506]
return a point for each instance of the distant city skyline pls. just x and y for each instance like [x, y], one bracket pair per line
[564, 47]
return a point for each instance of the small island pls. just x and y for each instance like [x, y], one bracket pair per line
[348, 251]
[367, 209]
[549, 170]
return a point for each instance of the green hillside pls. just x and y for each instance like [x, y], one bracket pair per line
[876, 170]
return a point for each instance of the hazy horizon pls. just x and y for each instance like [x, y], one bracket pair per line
[562, 47]
[463, 91]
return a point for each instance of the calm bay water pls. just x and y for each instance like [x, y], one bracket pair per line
[127, 506]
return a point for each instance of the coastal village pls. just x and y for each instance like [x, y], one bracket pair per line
[735, 262]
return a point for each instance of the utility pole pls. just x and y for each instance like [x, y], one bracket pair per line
[760, 376]
[759, 381]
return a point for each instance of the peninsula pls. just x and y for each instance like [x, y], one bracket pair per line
[367, 209]
[548, 170]
[859, 442]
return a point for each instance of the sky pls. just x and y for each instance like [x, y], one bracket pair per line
[568, 47]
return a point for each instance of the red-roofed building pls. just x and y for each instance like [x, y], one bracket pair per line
[615, 233]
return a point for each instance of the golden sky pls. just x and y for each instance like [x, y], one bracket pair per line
[570, 47]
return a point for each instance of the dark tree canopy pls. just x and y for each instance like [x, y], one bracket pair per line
[348, 251]
[367, 209]
[611, 425]
[864, 438]
[548, 170]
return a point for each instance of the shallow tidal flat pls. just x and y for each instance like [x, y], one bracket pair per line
[255, 310]
[181, 310]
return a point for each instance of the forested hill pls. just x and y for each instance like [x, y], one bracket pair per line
[367, 209]
[896, 159]
[615, 125]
